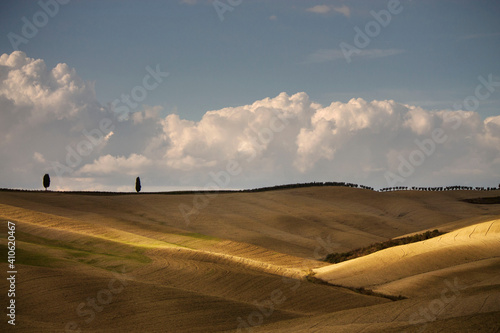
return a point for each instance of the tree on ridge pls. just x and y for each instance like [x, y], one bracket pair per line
[138, 184]
[46, 181]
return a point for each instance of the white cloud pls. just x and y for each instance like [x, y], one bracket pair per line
[46, 95]
[109, 165]
[324, 55]
[319, 9]
[344, 10]
[147, 113]
[327, 55]
[480, 35]
[39, 158]
[324, 9]
[46, 115]
[284, 139]
[419, 121]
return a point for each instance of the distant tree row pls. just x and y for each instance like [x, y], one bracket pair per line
[386, 189]
[46, 183]
[311, 184]
[138, 187]
[447, 188]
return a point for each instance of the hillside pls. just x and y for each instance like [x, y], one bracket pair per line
[245, 252]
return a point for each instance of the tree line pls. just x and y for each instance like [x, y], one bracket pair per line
[46, 183]
[439, 188]
[138, 186]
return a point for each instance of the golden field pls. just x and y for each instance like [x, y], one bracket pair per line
[102, 262]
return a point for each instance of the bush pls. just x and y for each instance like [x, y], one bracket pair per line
[335, 258]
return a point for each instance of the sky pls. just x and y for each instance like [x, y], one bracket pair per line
[192, 94]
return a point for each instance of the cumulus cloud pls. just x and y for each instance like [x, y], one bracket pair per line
[324, 9]
[319, 9]
[108, 165]
[344, 10]
[147, 113]
[51, 120]
[52, 123]
[290, 138]
[39, 158]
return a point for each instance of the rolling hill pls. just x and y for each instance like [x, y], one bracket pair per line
[186, 262]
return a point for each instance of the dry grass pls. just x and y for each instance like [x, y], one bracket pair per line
[244, 248]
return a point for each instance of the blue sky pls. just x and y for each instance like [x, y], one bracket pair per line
[429, 55]
[444, 46]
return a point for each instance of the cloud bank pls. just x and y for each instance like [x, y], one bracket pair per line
[324, 9]
[51, 122]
